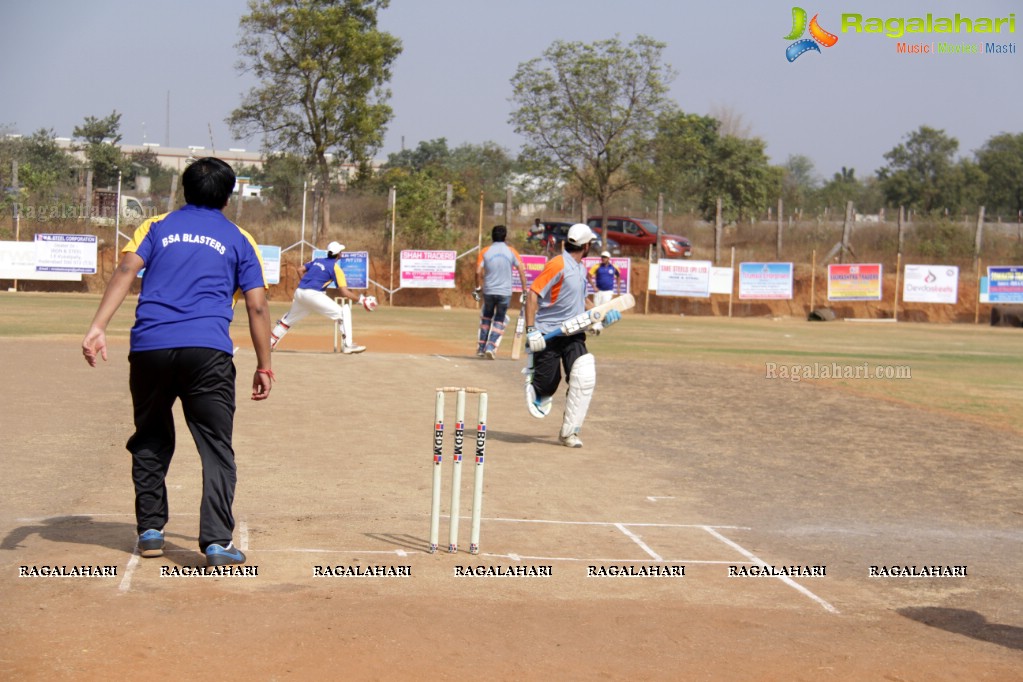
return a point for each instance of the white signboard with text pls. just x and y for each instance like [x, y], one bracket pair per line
[428, 269]
[931, 284]
[66, 253]
[684, 278]
[18, 261]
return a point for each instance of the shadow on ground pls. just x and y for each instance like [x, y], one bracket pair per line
[967, 623]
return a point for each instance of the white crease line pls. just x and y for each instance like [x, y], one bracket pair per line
[784, 578]
[635, 538]
[129, 571]
[243, 536]
[312, 550]
[614, 523]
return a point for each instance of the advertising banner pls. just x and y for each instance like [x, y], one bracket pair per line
[930, 284]
[721, 280]
[854, 282]
[1005, 284]
[66, 253]
[534, 266]
[765, 281]
[428, 269]
[271, 256]
[18, 261]
[684, 278]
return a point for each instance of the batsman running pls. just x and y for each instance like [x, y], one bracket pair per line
[494, 268]
[555, 303]
[311, 297]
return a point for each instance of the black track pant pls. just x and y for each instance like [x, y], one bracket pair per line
[561, 351]
[204, 380]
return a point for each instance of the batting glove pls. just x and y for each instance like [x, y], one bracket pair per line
[534, 340]
[476, 294]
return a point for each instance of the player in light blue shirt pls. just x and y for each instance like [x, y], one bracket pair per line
[494, 268]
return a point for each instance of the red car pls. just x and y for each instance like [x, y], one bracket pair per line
[636, 234]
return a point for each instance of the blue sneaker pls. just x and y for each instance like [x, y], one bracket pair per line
[218, 555]
[151, 543]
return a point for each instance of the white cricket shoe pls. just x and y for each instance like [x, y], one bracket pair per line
[570, 441]
[490, 355]
[350, 350]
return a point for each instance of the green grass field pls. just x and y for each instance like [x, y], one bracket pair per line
[974, 371]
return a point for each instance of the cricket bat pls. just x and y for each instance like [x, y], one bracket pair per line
[581, 323]
[520, 335]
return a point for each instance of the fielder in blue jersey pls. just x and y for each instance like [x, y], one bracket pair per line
[605, 279]
[311, 297]
[195, 261]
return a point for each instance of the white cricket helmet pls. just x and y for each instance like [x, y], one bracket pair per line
[580, 234]
[335, 248]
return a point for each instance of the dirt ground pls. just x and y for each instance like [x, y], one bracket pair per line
[684, 464]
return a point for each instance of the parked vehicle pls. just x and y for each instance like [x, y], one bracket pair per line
[637, 234]
[555, 233]
[105, 208]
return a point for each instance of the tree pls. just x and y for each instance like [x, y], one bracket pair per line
[420, 205]
[322, 67]
[679, 158]
[427, 170]
[485, 167]
[45, 171]
[429, 153]
[742, 177]
[692, 165]
[799, 181]
[284, 176]
[147, 163]
[842, 188]
[101, 140]
[1001, 160]
[587, 110]
[921, 172]
[731, 122]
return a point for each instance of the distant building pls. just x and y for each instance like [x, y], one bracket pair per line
[177, 158]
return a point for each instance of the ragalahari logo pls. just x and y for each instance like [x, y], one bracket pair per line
[818, 36]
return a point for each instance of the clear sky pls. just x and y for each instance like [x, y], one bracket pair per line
[61, 61]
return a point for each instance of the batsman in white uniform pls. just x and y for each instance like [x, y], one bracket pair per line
[557, 295]
[311, 297]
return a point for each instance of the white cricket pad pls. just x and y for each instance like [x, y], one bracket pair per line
[278, 333]
[346, 325]
[581, 382]
[537, 408]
